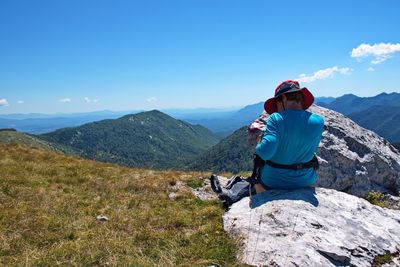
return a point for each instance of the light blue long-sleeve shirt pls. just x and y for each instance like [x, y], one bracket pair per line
[291, 137]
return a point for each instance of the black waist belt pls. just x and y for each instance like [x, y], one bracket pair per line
[299, 166]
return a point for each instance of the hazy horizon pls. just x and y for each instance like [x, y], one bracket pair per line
[168, 109]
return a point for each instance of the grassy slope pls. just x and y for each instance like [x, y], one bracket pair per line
[49, 202]
[11, 137]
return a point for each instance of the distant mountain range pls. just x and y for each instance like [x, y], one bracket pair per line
[224, 126]
[37, 123]
[148, 139]
[45, 125]
[94, 114]
[156, 140]
[348, 104]
[324, 99]
[380, 113]
[222, 121]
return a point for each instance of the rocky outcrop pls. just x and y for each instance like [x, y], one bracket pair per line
[308, 227]
[354, 159]
[325, 227]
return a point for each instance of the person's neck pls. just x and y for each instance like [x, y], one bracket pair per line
[293, 105]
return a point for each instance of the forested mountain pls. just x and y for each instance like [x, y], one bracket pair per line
[148, 139]
[380, 113]
[384, 120]
[348, 104]
[37, 123]
[232, 154]
[344, 104]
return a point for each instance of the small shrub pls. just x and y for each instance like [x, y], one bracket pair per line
[377, 198]
[384, 259]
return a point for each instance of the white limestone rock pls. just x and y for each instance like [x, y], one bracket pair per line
[205, 192]
[308, 227]
[355, 160]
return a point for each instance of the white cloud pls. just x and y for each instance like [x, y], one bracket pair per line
[3, 102]
[380, 52]
[88, 100]
[151, 99]
[323, 74]
[379, 60]
[371, 69]
[20, 101]
[65, 100]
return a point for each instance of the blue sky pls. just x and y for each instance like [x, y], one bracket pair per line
[78, 56]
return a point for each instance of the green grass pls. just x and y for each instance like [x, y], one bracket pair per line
[384, 259]
[14, 137]
[49, 203]
[195, 183]
[377, 198]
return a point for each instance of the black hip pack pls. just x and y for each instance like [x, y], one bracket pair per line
[298, 166]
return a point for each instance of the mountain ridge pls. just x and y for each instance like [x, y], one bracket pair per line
[149, 139]
[11, 136]
[350, 103]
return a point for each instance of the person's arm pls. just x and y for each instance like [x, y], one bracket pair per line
[269, 142]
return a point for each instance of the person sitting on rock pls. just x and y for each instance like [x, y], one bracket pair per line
[290, 141]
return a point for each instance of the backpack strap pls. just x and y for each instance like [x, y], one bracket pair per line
[258, 163]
